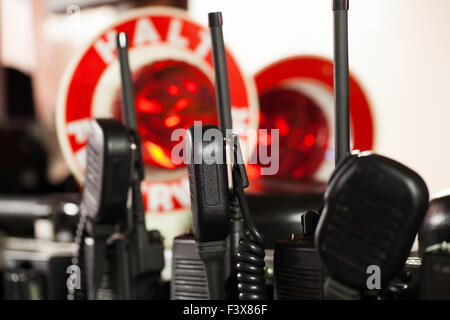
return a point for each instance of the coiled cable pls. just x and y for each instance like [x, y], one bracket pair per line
[250, 256]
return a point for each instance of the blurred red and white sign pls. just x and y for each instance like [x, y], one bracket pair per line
[172, 69]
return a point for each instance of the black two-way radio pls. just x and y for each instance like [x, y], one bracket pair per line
[297, 268]
[237, 224]
[373, 206]
[218, 212]
[121, 260]
[107, 171]
[145, 249]
[246, 243]
[200, 273]
[209, 203]
[298, 272]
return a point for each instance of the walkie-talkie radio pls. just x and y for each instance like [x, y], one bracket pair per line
[145, 249]
[373, 206]
[298, 272]
[373, 209]
[121, 260]
[219, 212]
[209, 202]
[246, 244]
[209, 198]
[297, 266]
[103, 208]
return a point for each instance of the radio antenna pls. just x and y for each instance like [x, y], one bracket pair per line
[128, 109]
[250, 284]
[139, 248]
[128, 106]
[220, 71]
[341, 80]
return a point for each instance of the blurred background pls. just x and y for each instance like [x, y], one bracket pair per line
[400, 78]
[398, 52]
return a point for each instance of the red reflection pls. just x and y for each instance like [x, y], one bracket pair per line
[148, 106]
[253, 171]
[309, 140]
[173, 90]
[282, 125]
[172, 121]
[190, 86]
[158, 155]
[169, 95]
[303, 131]
[181, 104]
[265, 139]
